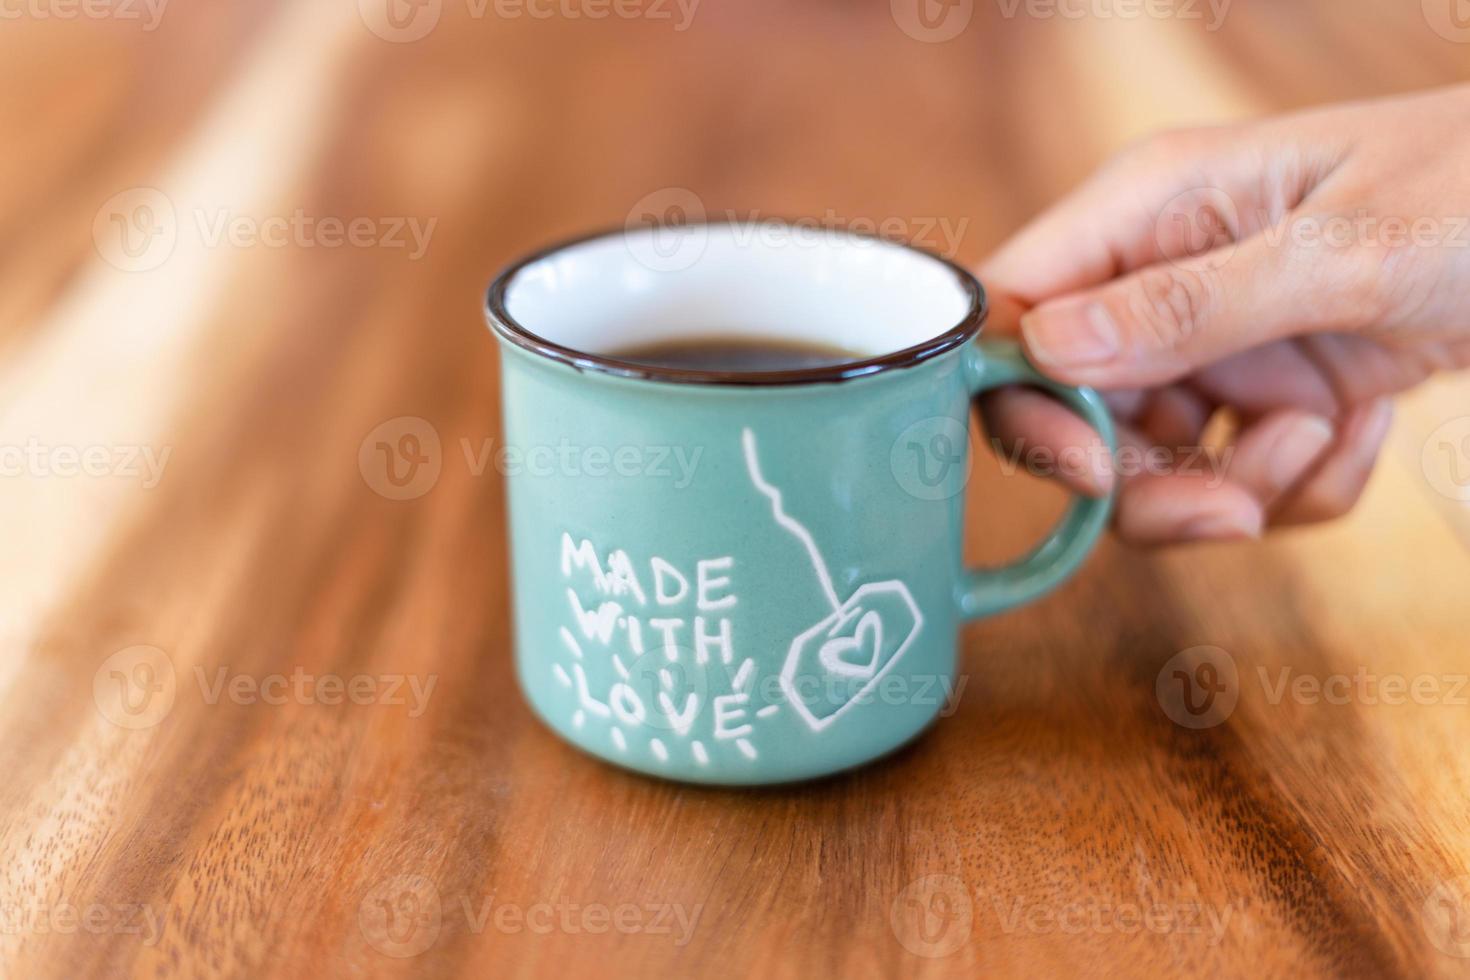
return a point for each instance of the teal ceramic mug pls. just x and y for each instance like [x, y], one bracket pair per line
[745, 578]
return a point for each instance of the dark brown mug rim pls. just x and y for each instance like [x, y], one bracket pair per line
[509, 328]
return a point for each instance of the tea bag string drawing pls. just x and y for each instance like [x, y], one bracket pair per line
[886, 618]
[798, 531]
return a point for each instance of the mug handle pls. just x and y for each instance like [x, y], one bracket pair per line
[986, 591]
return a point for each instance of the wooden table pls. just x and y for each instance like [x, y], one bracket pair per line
[191, 546]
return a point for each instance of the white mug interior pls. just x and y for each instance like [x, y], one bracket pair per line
[757, 281]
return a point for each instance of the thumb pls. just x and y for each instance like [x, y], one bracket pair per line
[1166, 320]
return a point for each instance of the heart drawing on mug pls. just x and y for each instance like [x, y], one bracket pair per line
[886, 616]
[856, 655]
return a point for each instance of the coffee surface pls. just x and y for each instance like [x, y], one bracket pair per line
[736, 354]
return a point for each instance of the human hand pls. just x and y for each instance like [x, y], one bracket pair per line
[1294, 272]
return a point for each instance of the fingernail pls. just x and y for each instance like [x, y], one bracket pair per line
[1071, 334]
[1223, 527]
[1296, 450]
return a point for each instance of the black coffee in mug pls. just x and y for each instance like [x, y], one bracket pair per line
[736, 354]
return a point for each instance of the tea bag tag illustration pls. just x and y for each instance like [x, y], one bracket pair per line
[838, 662]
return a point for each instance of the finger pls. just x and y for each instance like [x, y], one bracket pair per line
[1046, 438]
[1274, 454]
[1160, 323]
[1265, 378]
[1360, 369]
[1175, 410]
[1338, 481]
[1156, 509]
[1324, 374]
[1004, 320]
[1115, 221]
[1174, 417]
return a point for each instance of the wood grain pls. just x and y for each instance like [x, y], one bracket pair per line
[1059, 823]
